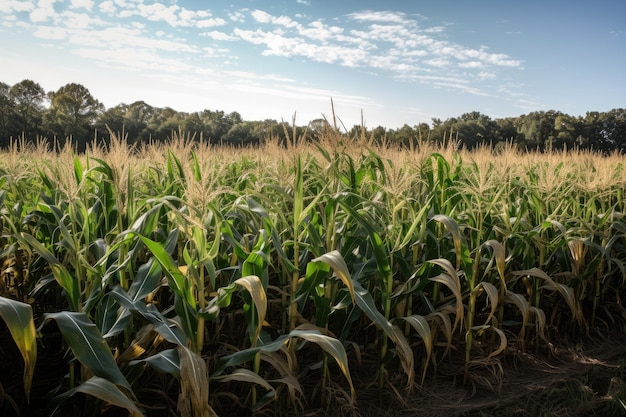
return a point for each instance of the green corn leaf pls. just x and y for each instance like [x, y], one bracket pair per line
[366, 303]
[19, 320]
[78, 170]
[166, 361]
[186, 301]
[146, 280]
[166, 327]
[59, 271]
[457, 237]
[338, 264]
[256, 263]
[254, 286]
[197, 171]
[88, 345]
[381, 254]
[315, 274]
[148, 221]
[105, 390]
[419, 218]
[298, 194]
[500, 254]
[110, 318]
[329, 344]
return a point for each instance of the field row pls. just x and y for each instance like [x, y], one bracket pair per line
[193, 280]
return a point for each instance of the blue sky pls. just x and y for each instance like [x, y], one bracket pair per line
[395, 62]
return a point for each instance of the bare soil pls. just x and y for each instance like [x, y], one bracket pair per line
[587, 379]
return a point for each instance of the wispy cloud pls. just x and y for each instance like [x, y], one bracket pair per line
[380, 40]
[371, 16]
[166, 37]
[11, 6]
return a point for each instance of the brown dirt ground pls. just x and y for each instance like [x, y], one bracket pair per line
[587, 379]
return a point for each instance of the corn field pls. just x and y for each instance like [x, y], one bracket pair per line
[193, 280]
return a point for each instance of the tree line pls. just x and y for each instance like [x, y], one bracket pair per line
[72, 114]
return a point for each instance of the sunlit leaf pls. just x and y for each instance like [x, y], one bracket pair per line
[253, 285]
[421, 326]
[334, 348]
[566, 292]
[503, 340]
[338, 264]
[493, 297]
[103, 389]
[18, 318]
[193, 400]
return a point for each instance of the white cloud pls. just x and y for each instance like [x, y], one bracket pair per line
[372, 16]
[259, 77]
[80, 20]
[437, 62]
[435, 29]
[158, 12]
[382, 40]
[133, 59]
[484, 75]
[261, 16]
[120, 37]
[471, 64]
[147, 35]
[124, 4]
[264, 17]
[208, 23]
[10, 6]
[220, 36]
[237, 16]
[107, 7]
[50, 32]
[81, 4]
[279, 45]
[461, 87]
[43, 12]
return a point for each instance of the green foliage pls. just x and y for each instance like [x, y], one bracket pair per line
[76, 118]
[204, 278]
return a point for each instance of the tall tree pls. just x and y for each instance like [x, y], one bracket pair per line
[113, 120]
[28, 97]
[136, 120]
[73, 113]
[7, 117]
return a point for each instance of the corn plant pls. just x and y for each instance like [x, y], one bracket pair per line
[220, 278]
